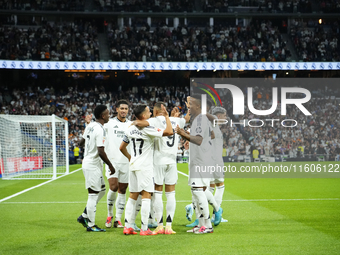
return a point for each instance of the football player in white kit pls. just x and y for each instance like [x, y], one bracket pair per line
[165, 167]
[119, 181]
[141, 166]
[94, 140]
[200, 157]
[218, 179]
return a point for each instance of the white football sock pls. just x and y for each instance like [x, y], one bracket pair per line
[219, 194]
[170, 207]
[158, 207]
[145, 213]
[212, 189]
[152, 211]
[211, 200]
[129, 212]
[202, 203]
[101, 194]
[137, 209]
[120, 204]
[91, 208]
[111, 197]
[194, 205]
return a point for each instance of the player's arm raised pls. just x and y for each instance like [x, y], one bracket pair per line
[123, 148]
[168, 130]
[103, 156]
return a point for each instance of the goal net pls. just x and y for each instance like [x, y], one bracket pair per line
[33, 147]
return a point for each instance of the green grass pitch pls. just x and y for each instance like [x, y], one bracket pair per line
[266, 216]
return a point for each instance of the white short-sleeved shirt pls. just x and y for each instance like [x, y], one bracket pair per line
[115, 130]
[201, 155]
[94, 136]
[217, 144]
[166, 147]
[142, 143]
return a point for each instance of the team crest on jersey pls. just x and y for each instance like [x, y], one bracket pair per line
[198, 130]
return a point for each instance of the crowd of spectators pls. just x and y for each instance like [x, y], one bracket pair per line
[75, 103]
[316, 42]
[259, 41]
[76, 41]
[145, 5]
[315, 135]
[275, 6]
[330, 6]
[49, 5]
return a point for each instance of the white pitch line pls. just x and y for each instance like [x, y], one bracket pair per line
[37, 186]
[182, 173]
[188, 201]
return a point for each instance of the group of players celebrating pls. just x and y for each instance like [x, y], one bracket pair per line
[142, 155]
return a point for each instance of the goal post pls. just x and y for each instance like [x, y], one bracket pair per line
[33, 147]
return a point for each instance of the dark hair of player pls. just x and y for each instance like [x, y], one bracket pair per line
[99, 110]
[121, 101]
[139, 109]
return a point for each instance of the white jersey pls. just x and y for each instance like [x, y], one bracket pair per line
[115, 130]
[166, 147]
[217, 144]
[94, 136]
[142, 142]
[201, 155]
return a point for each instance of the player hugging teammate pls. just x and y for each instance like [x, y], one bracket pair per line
[142, 155]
